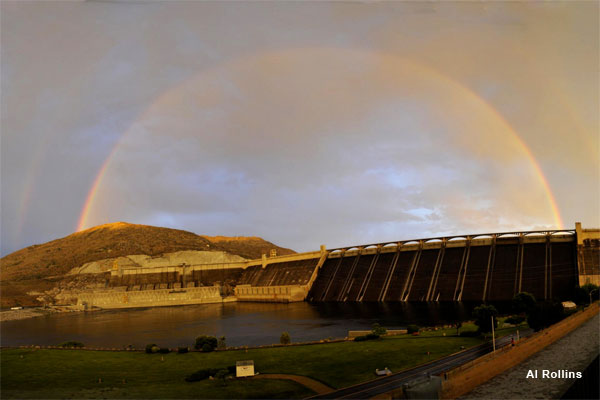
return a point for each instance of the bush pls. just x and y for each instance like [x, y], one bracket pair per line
[514, 319]
[545, 314]
[484, 315]
[412, 329]
[202, 374]
[164, 350]
[580, 296]
[152, 348]
[379, 330]
[182, 350]
[370, 336]
[198, 376]
[285, 338]
[201, 341]
[469, 334]
[71, 343]
[221, 375]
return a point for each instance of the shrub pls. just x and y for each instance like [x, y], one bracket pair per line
[71, 343]
[412, 329]
[164, 350]
[285, 338]
[208, 372]
[201, 341]
[580, 296]
[470, 333]
[221, 375]
[484, 315]
[514, 319]
[151, 348]
[370, 336]
[545, 314]
[198, 376]
[182, 350]
[379, 330]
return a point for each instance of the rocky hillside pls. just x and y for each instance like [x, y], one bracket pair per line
[37, 267]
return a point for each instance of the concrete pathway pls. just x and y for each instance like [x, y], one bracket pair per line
[574, 352]
[312, 384]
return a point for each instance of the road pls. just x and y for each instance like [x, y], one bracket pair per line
[381, 385]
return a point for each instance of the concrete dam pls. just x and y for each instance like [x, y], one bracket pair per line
[482, 267]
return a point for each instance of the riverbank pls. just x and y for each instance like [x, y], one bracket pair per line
[42, 373]
[25, 313]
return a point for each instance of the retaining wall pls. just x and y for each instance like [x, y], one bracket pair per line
[149, 298]
[271, 294]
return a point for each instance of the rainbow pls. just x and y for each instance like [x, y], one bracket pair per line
[92, 194]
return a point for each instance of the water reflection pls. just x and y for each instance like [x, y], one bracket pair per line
[241, 323]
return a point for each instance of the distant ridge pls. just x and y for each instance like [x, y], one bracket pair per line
[31, 268]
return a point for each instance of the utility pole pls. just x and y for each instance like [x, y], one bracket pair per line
[493, 335]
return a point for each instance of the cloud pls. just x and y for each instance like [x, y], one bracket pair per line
[298, 125]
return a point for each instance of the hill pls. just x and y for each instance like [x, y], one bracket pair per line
[38, 265]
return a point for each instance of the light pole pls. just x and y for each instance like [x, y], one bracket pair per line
[493, 336]
[590, 293]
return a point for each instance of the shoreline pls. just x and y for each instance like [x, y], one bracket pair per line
[25, 313]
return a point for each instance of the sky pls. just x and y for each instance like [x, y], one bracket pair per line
[305, 123]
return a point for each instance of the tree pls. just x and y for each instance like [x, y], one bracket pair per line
[378, 330]
[458, 326]
[285, 338]
[523, 302]
[590, 288]
[203, 340]
[483, 315]
[221, 345]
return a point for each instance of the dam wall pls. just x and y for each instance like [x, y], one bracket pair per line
[199, 275]
[493, 267]
[284, 279]
[122, 298]
[482, 267]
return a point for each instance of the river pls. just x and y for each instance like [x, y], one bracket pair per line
[249, 324]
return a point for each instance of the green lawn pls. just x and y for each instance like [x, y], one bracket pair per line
[75, 373]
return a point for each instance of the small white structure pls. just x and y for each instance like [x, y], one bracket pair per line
[569, 305]
[383, 372]
[244, 368]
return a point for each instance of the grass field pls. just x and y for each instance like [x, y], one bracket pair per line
[30, 373]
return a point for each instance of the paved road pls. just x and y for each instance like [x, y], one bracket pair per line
[381, 385]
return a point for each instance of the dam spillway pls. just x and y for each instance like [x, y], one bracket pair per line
[451, 270]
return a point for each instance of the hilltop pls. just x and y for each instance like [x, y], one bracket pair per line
[37, 267]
